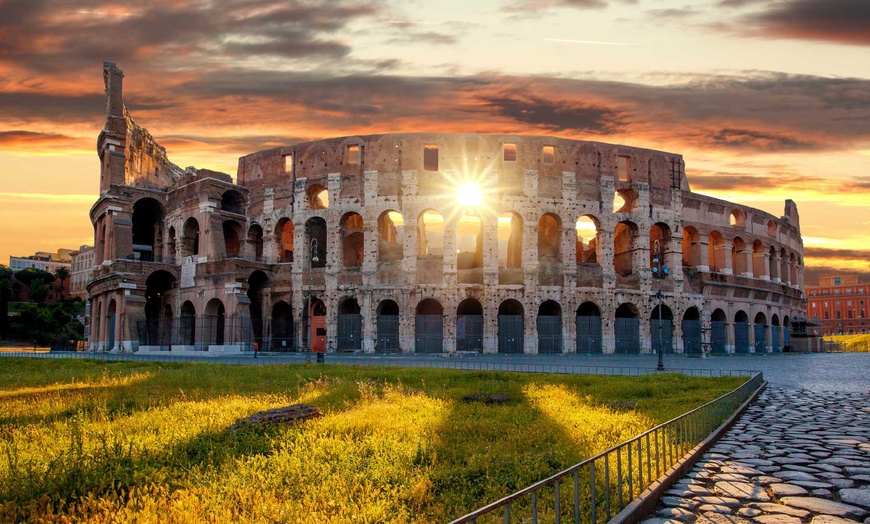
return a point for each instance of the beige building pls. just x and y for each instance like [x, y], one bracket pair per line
[42, 260]
[431, 243]
[81, 268]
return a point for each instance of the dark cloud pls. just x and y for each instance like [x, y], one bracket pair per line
[702, 180]
[749, 139]
[842, 254]
[553, 115]
[541, 6]
[31, 139]
[835, 21]
[674, 13]
[430, 37]
[35, 107]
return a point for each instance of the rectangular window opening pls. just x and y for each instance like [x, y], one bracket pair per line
[430, 157]
[549, 154]
[510, 152]
[623, 165]
[354, 155]
[288, 163]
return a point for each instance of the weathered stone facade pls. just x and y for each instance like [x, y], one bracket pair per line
[401, 265]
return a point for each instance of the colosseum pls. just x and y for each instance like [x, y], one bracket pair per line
[431, 243]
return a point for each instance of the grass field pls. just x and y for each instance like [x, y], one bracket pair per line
[852, 343]
[95, 441]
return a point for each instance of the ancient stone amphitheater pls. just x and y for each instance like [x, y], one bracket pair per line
[429, 242]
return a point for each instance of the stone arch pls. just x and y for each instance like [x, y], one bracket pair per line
[282, 329]
[147, 230]
[793, 269]
[428, 328]
[172, 246]
[352, 240]
[625, 201]
[349, 325]
[255, 241]
[215, 322]
[741, 332]
[588, 322]
[661, 326]
[187, 324]
[315, 231]
[387, 326]
[469, 325]
[391, 235]
[627, 327]
[661, 233]
[284, 240]
[469, 245]
[549, 324]
[511, 327]
[737, 218]
[691, 245]
[258, 281]
[718, 331]
[318, 197]
[549, 238]
[587, 229]
[691, 331]
[738, 256]
[716, 247]
[190, 238]
[510, 240]
[760, 333]
[623, 248]
[233, 202]
[232, 238]
[758, 259]
[771, 228]
[430, 233]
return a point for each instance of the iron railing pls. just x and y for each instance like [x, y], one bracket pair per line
[598, 488]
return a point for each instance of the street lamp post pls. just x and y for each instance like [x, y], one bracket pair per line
[313, 258]
[660, 270]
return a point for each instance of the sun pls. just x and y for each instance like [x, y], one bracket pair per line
[470, 195]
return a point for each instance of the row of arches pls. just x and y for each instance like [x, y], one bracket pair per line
[739, 257]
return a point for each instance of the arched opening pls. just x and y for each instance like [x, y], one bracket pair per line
[627, 329]
[233, 202]
[173, 251]
[284, 239]
[737, 218]
[624, 201]
[623, 248]
[283, 332]
[469, 250]
[349, 326]
[741, 332]
[156, 330]
[771, 228]
[716, 248]
[232, 234]
[661, 327]
[187, 324]
[428, 328]
[111, 316]
[660, 233]
[758, 262]
[190, 238]
[214, 323]
[315, 318]
[786, 334]
[147, 230]
[255, 242]
[586, 229]
[469, 326]
[738, 256]
[388, 326]
[588, 321]
[430, 234]
[318, 197]
[783, 265]
[257, 283]
[549, 325]
[511, 327]
[352, 240]
[775, 334]
[772, 265]
[691, 328]
[691, 247]
[96, 324]
[793, 270]
[510, 248]
[315, 230]
[549, 238]
[760, 334]
[718, 332]
[391, 236]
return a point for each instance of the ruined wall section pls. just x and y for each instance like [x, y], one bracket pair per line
[147, 164]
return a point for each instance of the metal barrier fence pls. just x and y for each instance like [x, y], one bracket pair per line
[598, 488]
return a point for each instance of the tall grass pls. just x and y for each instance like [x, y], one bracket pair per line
[94, 441]
[852, 343]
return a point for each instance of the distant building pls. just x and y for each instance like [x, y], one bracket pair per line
[42, 260]
[839, 304]
[80, 272]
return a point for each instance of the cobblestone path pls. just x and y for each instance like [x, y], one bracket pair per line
[795, 456]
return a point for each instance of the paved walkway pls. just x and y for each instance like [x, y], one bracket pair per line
[795, 456]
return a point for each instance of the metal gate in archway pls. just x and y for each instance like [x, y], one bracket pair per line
[627, 335]
[550, 334]
[469, 333]
[741, 337]
[760, 338]
[691, 336]
[588, 334]
[349, 332]
[718, 337]
[428, 337]
[662, 339]
[510, 333]
[388, 333]
[774, 337]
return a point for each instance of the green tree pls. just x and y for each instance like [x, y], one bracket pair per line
[5, 294]
[61, 273]
[37, 282]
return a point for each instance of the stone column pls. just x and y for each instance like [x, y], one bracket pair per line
[703, 249]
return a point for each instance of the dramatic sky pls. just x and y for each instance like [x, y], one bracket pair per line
[766, 99]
